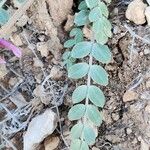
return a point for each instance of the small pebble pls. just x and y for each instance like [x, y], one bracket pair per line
[147, 108]
[146, 51]
[56, 73]
[130, 96]
[95, 148]
[129, 131]
[148, 84]
[115, 116]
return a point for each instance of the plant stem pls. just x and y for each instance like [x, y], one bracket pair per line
[88, 85]
[89, 78]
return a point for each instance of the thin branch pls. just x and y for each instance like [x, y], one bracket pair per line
[133, 34]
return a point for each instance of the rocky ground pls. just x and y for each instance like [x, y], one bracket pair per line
[31, 85]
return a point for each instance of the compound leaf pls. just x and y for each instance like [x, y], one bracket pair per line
[78, 70]
[79, 94]
[94, 115]
[91, 3]
[76, 131]
[76, 112]
[81, 18]
[81, 49]
[89, 135]
[99, 75]
[101, 53]
[96, 96]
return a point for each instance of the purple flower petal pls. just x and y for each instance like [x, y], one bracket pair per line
[17, 52]
[2, 61]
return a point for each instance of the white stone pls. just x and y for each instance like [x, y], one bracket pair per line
[135, 12]
[39, 128]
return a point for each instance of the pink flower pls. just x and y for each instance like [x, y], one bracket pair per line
[5, 44]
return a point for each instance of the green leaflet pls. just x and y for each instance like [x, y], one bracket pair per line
[67, 59]
[76, 112]
[81, 49]
[4, 16]
[78, 35]
[96, 96]
[104, 9]
[69, 43]
[89, 135]
[20, 1]
[94, 115]
[107, 27]
[95, 14]
[75, 31]
[92, 3]
[79, 145]
[102, 30]
[81, 18]
[99, 75]
[76, 131]
[100, 36]
[101, 53]
[78, 70]
[82, 6]
[66, 55]
[79, 94]
[98, 12]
